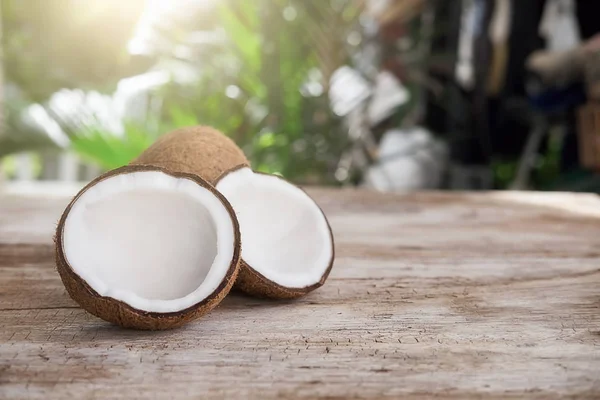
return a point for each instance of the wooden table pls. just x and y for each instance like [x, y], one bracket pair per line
[455, 295]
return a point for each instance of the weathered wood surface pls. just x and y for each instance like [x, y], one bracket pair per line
[452, 295]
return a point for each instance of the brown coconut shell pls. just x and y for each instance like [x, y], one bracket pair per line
[208, 153]
[255, 284]
[122, 314]
[198, 150]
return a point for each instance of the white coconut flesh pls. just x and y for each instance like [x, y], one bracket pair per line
[153, 241]
[285, 235]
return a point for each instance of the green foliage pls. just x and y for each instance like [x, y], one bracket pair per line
[283, 127]
[267, 88]
[8, 165]
[109, 150]
[23, 142]
[54, 44]
[24, 137]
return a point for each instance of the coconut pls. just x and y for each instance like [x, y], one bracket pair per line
[288, 246]
[201, 151]
[147, 248]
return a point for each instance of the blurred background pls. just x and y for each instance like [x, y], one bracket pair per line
[394, 95]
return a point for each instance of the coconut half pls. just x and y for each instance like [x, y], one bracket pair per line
[149, 249]
[288, 244]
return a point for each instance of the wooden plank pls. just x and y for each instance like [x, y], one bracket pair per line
[455, 295]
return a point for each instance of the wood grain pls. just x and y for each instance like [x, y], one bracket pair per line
[456, 296]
